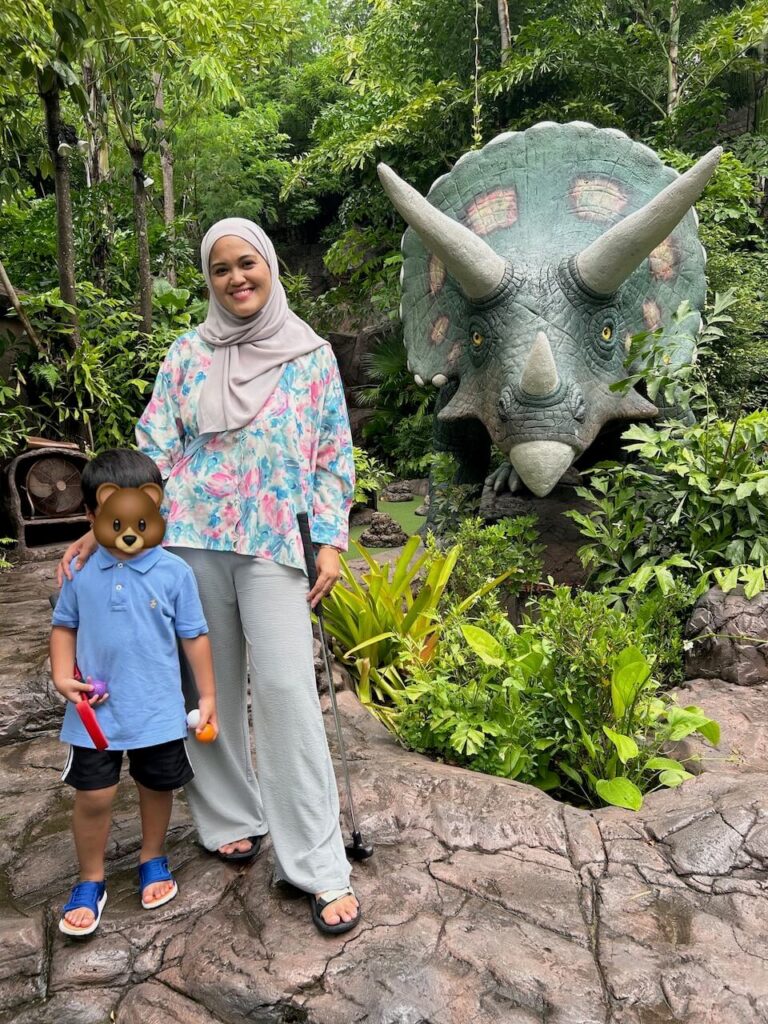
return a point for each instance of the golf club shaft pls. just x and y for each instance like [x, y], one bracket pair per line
[309, 557]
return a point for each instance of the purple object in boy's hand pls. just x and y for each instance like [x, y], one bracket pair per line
[99, 687]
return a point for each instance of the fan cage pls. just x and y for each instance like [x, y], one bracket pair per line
[35, 531]
[52, 487]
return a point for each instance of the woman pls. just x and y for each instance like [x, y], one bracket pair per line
[248, 425]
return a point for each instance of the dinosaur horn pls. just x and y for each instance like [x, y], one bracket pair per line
[539, 377]
[471, 261]
[605, 264]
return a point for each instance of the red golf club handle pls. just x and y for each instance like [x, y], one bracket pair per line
[92, 727]
[88, 717]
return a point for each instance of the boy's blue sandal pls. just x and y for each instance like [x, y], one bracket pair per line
[84, 896]
[156, 870]
[319, 903]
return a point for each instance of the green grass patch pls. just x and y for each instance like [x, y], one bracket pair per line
[403, 512]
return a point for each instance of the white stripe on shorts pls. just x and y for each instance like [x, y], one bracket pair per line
[68, 765]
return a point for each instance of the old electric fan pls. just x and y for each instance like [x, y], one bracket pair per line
[53, 486]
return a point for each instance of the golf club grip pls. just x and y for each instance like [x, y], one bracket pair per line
[92, 727]
[309, 551]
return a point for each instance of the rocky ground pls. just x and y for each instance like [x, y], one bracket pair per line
[485, 902]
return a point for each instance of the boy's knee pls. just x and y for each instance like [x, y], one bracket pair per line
[95, 801]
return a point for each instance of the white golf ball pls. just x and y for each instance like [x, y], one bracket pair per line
[193, 718]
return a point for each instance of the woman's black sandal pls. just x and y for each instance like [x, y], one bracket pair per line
[319, 904]
[242, 855]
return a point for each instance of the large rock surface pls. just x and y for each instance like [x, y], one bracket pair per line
[729, 634]
[485, 902]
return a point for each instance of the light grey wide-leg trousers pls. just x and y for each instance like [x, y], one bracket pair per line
[258, 617]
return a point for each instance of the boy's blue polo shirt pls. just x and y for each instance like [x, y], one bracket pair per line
[127, 614]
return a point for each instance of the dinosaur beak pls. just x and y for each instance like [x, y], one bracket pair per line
[540, 464]
[605, 264]
[471, 261]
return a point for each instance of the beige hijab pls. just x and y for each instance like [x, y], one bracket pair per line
[248, 352]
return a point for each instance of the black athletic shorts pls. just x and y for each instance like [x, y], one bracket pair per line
[162, 767]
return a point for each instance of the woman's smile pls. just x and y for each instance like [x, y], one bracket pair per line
[240, 276]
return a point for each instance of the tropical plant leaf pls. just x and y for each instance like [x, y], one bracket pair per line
[620, 792]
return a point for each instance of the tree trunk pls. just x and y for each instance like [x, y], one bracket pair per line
[760, 119]
[506, 35]
[98, 141]
[142, 238]
[97, 170]
[65, 245]
[14, 300]
[166, 162]
[673, 51]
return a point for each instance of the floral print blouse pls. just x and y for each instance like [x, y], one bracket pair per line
[240, 490]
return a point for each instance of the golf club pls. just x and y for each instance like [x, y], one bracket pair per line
[357, 849]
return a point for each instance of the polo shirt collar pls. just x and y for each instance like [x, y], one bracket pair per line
[141, 563]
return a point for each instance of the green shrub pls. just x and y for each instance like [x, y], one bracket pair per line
[451, 500]
[567, 703]
[15, 422]
[5, 542]
[694, 501]
[378, 623]
[102, 386]
[488, 551]
[662, 617]
[370, 475]
[400, 428]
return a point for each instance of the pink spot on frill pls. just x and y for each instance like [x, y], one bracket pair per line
[597, 198]
[663, 260]
[651, 315]
[439, 330]
[494, 210]
[436, 274]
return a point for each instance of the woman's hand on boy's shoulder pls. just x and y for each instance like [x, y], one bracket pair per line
[82, 549]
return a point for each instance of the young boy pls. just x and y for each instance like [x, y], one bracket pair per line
[118, 620]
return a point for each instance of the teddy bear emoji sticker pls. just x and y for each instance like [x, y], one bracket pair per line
[129, 518]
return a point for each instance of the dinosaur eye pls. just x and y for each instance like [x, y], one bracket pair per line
[607, 332]
[116, 525]
[477, 339]
[142, 525]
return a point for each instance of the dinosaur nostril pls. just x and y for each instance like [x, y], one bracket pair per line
[576, 403]
[503, 414]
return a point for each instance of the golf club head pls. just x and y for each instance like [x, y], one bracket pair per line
[357, 849]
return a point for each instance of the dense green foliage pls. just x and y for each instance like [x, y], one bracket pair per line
[128, 128]
[570, 702]
[693, 499]
[370, 476]
[284, 119]
[511, 546]
[567, 703]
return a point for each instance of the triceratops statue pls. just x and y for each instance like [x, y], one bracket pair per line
[526, 271]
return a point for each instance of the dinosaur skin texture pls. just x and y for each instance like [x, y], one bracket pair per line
[551, 249]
